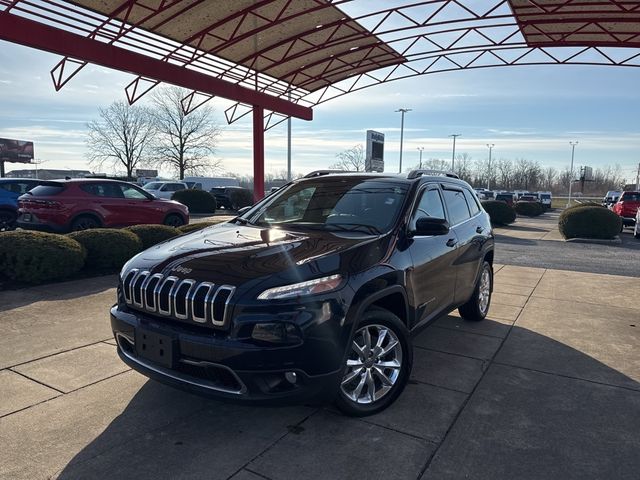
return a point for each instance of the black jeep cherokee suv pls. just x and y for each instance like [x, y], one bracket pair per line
[312, 294]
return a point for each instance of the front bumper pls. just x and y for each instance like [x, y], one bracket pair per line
[628, 221]
[220, 367]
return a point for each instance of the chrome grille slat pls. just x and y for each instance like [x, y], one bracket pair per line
[231, 290]
[141, 279]
[179, 286]
[145, 286]
[192, 300]
[127, 285]
[169, 280]
[184, 298]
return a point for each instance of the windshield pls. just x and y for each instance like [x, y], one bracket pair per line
[338, 204]
[153, 186]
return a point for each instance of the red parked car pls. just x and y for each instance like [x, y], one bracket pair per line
[627, 207]
[69, 205]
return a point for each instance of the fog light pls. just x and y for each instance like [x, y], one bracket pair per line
[291, 377]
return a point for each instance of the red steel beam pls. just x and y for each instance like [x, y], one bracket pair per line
[44, 37]
[258, 153]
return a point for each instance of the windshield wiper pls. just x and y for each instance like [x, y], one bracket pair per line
[352, 227]
[242, 221]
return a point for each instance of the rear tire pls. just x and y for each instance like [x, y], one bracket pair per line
[477, 307]
[174, 220]
[375, 375]
[84, 222]
[7, 220]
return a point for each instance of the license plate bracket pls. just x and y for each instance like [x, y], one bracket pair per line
[156, 347]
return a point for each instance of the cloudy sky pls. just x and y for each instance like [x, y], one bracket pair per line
[527, 112]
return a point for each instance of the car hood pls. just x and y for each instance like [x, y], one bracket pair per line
[236, 254]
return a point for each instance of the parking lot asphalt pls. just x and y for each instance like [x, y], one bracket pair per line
[547, 387]
[536, 242]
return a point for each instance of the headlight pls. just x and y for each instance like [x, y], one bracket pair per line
[310, 287]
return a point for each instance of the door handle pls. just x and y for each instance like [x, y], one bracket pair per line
[452, 242]
[479, 229]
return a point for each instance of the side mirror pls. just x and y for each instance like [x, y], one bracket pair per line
[431, 226]
[243, 210]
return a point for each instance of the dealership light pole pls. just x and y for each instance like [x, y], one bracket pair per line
[573, 151]
[402, 112]
[420, 149]
[453, 154]
[490, 145]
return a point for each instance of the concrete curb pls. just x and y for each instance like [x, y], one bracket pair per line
[614, 241]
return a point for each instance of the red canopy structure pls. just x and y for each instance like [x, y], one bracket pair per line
[280, 58]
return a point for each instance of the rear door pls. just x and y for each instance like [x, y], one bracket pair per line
[464, 213]
[108, 200]
[431, 281]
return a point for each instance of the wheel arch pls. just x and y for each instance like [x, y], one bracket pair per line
[86, 213]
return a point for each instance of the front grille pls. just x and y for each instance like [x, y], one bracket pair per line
[181, 299]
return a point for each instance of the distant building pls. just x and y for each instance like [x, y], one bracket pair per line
[47, 173]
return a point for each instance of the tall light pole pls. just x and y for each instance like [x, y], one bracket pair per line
[402, 112]
[420, 149]
[453, 154]
[573, 151]
[490, 145]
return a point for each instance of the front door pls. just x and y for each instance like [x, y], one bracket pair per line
[432, 280]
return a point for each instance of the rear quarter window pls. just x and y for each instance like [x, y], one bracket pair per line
[47, 190]
[630, 197]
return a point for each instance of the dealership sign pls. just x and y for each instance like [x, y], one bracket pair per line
[374, 161]
[17, 151]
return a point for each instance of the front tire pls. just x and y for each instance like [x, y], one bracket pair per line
[477, 307]
[378, 364]
[174, 220]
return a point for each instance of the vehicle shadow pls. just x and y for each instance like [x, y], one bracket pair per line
[10, 299]
[165, 433]
[514, 240]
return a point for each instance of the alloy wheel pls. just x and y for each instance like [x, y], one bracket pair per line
[484, 291]
[373, 364]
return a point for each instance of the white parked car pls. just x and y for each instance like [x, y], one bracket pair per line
[636, 228]
[164, 189]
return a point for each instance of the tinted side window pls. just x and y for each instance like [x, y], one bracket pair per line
[472, 202]
[111, 190]
[457, 206]
[430, 205]
[47, 190]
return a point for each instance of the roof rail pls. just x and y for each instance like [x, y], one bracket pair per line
[419, 173]
[319, 173]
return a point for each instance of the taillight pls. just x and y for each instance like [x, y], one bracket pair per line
[40, 204]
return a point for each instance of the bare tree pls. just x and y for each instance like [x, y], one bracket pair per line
[351, 160]
[121, 137]
[183, 143]
[549, 176]
[462, 166]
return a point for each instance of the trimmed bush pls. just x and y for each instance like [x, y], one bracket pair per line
[151, 235]
[241, 197]
[499, 212]
[589, 222]
[107, 249]
[529, 209]
[36, 257]
[586, 204]
[194, 227]
[198, 201]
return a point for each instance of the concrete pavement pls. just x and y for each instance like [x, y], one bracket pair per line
[547, 387]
